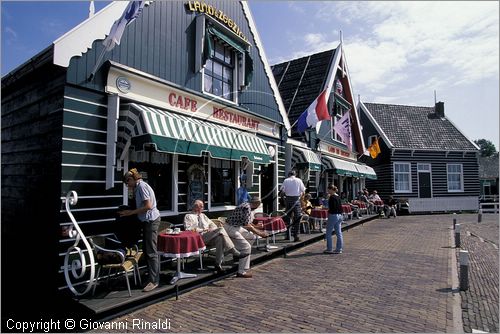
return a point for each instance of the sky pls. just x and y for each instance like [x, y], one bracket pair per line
[396, 52]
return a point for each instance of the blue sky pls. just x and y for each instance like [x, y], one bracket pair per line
[397, 52]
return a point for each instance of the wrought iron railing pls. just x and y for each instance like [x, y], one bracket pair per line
[75, 260]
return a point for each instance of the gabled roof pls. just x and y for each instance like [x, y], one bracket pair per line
[413, 127]
[488, 167]
[301, 80]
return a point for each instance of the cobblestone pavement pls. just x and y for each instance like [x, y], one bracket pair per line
[480, 302]
[394, 276]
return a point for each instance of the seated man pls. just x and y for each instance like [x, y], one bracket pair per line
[240, 228]
[354, 208]
[212, 234]
[390, 207]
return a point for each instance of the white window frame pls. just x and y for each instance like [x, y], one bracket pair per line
[237, 64]
[461, 190]
[175, 180]
[222, 207]
[409, 177]
[429, 170]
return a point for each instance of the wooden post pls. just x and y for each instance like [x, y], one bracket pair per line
[457, 236]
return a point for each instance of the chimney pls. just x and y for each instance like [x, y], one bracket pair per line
[439, 109]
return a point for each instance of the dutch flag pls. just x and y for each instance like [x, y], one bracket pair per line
[316, 112]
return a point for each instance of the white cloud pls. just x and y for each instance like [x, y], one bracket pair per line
[446, 43]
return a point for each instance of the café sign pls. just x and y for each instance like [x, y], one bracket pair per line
[162, 95]
[219, 15]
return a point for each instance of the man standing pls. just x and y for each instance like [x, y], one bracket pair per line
[212, 234]
[243, 232]
[293, 188]
[149, 215]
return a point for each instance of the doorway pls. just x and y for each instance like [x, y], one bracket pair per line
[268, 193]
[424, 181]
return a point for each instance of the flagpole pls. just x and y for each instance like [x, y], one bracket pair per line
[98, 62]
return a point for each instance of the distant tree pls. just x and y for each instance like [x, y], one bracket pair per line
[486, 147]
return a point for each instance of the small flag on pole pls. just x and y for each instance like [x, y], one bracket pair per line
[132, 11]
[373, 150]
[316, 112]
[343, 128]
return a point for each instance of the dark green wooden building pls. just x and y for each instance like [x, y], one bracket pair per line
[187, 97]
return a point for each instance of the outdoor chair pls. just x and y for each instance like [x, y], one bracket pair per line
[304, 224]
[121, 260]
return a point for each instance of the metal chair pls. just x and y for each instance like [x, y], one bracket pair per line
[122, 260]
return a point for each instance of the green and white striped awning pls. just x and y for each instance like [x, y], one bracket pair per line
[305, 158]
[366, 171]
[178, 134]
[341, 167]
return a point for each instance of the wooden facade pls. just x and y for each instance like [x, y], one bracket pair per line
[300, 82]
[437, 196]
[55, 132]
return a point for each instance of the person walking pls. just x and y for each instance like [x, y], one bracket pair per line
[149, 215]
[334, 222]
[293, 188]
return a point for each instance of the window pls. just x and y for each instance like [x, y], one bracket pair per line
[159, 177]
[219, 74]
[455, 178]
[222, 182]
[402, 177]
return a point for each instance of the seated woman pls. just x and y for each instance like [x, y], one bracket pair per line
[306, 206]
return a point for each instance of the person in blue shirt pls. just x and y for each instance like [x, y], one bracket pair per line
[242, 194]
[148, 214]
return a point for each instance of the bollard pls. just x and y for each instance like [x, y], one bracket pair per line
[454, 219]
[480, 215]
[464, 270]
[457, 236]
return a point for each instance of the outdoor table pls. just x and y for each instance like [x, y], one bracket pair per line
[181, 245]
[273, 226]
[319, 215]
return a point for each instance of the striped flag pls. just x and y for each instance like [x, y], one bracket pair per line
[132, 11]
[314, 114]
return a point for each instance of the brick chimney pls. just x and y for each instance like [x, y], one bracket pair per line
[439, 109]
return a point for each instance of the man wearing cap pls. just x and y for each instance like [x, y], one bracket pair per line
[240, 228]
[293, 188]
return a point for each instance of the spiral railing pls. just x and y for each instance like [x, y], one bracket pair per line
[75, 260]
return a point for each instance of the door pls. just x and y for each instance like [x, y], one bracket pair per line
[268, 194]
[424, 181]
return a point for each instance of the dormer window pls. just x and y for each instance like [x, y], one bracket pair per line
[223, 58]
[219, 75]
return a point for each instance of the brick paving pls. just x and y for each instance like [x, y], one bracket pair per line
[480, 302]
[394, 276]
